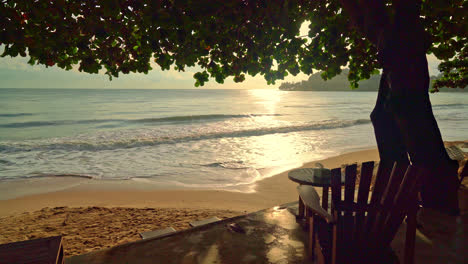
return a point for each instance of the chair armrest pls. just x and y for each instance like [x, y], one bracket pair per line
[311, 199]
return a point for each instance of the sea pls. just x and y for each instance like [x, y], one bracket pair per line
[193, 138]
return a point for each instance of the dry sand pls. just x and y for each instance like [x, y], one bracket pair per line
[92, 214]
[87, 229]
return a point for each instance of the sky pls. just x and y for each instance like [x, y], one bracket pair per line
[16, 73]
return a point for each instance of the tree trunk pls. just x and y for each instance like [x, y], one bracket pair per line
[405, 127]
[403, 120]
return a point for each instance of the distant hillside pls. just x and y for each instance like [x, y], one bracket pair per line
[341, 83]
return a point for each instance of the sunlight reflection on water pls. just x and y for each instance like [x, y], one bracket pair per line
[224, 139]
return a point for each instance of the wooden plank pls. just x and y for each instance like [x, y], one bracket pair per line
[336, 198]
[335, 244]
[382, 177]
[157, 233]
[300, 214]
[388, 199]
[410, 241]
[312, 235]
[61, 256]
[455, 153]
[204, 221]
[336, 185]
[367, 169]
[57, 243]
[325, 198]
[348, 219]
[404, 200]
[381, 181]
[350, 182]
[308, 212]
[396, 178]
[41, 251]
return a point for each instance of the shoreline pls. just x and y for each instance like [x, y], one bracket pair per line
[72, 192]
[12, 188]
[34, 194]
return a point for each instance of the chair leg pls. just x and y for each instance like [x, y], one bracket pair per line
[325, 198]
[300, 214]
[334, 252]
[410, 236]
[312, 228]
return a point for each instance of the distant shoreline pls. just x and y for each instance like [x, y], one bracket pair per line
[340, 83]
[443, 90]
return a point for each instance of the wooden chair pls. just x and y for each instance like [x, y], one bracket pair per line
[360, 230]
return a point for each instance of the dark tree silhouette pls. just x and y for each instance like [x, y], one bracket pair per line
[234, 37]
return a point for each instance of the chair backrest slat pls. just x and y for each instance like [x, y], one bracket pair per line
[367, 170]
[396, 178]
[336, 198]
[388, 197]
[381, 181]
[336, 185]
[405, 200]
[350, 182]
[350, 186]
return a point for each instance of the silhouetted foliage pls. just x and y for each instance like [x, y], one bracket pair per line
[225, 38]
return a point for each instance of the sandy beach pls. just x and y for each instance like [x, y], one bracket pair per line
[93, 214]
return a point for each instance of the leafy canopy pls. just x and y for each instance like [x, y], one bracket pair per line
[224, 37]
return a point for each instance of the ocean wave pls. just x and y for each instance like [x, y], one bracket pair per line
[16, 115]
[198, 118]
[6, 162]
[303, 106]
[444, 106]
[316, 105]
[55, 123]
[189, 118]
[233, 165]
[63, 175]
[320, 105]
[84, 145]
[52, 175]
[452, 118]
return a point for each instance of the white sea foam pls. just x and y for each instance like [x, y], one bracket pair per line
[133, 139]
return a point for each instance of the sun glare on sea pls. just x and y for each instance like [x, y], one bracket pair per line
[278, 148]
[269, 99]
